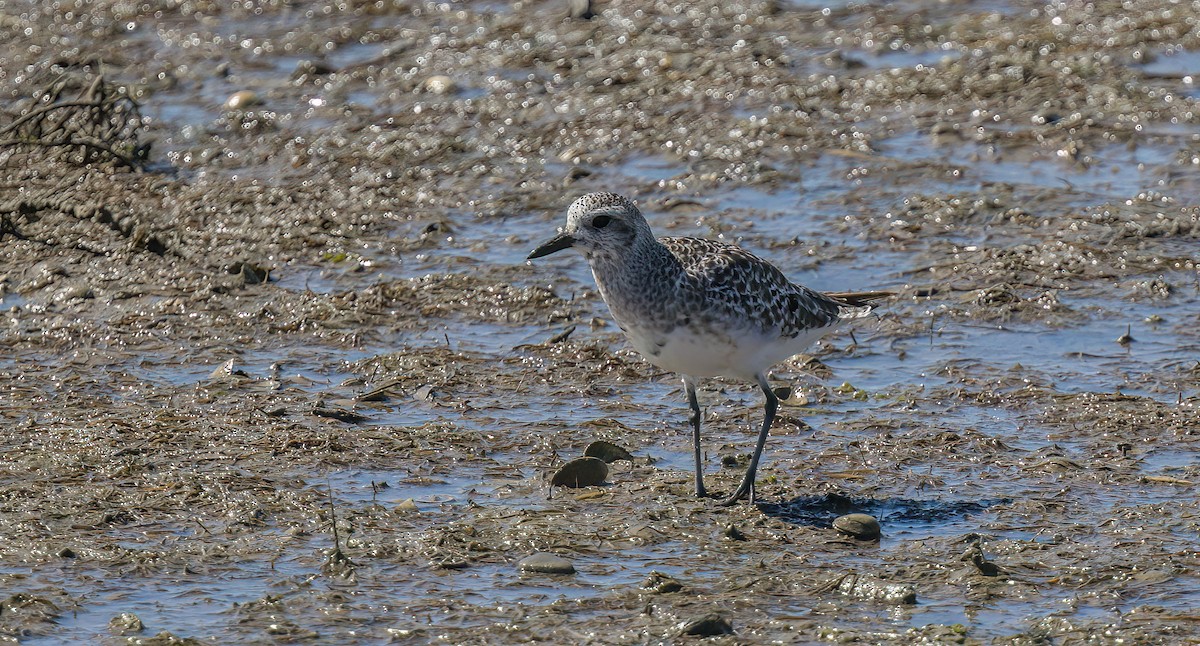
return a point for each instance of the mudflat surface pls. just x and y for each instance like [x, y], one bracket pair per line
[273, 367]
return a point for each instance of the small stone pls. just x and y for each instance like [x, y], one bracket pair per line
[864, 527]
[607, 451]
[251, 273]
[224, 371]
[241, 100]
[580, 472]
[660, 583]
[707, 626]
[439, 84]
[125, 623]
[546, 564]
[312, 68]
[789, 396]
[408, 507]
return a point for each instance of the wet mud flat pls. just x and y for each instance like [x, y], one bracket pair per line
[273, 368]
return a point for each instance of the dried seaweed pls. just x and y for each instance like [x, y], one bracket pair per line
[78, 121]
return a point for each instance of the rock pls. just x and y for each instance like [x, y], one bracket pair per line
[312, 68]
[659, 583]
[861, 526]
[580, 472]
[607, 451]
[251, 273]
[407, 506]
[125, 623]
[224, 371]
[733, 533]
[546, 564]
[241, 100]
[439, 84]
[707, 626]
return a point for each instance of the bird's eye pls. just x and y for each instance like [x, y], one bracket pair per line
[601, 221]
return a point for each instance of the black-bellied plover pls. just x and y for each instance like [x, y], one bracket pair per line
[698, 307]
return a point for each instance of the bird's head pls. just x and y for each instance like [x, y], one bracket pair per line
[598, 225]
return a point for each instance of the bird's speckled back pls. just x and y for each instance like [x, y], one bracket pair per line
[658, 285]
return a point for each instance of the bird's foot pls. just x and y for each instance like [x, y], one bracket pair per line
[741, 492]
[744, 490]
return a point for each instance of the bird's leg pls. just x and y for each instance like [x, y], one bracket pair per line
[690, 386]
[747, 487]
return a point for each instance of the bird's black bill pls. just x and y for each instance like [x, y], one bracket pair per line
[557, 243]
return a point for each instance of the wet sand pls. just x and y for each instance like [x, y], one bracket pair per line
[276, 370]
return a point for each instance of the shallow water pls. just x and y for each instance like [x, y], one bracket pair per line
[989, 404]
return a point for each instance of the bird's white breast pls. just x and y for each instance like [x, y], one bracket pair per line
[697, 352]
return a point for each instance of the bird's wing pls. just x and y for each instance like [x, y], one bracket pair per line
[736, 284]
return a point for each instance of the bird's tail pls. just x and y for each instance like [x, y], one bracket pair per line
[857, 304]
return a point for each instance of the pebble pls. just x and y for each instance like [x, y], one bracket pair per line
[250, 272]
[439, 84]
[241, 100]
[789, 396]
[607, 451]
[580, 472]
[546, 563]
[227, 369]
[312, 68]
[864, 527]
[125, 623]
[407, 506]
[660, 583]
[707, 626]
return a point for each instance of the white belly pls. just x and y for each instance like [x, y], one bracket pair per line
[700, 353]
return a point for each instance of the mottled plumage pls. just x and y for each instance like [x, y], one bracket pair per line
[699, 307]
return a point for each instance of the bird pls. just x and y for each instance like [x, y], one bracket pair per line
[700, 308]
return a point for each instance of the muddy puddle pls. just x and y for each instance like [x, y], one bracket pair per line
[273, 366]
